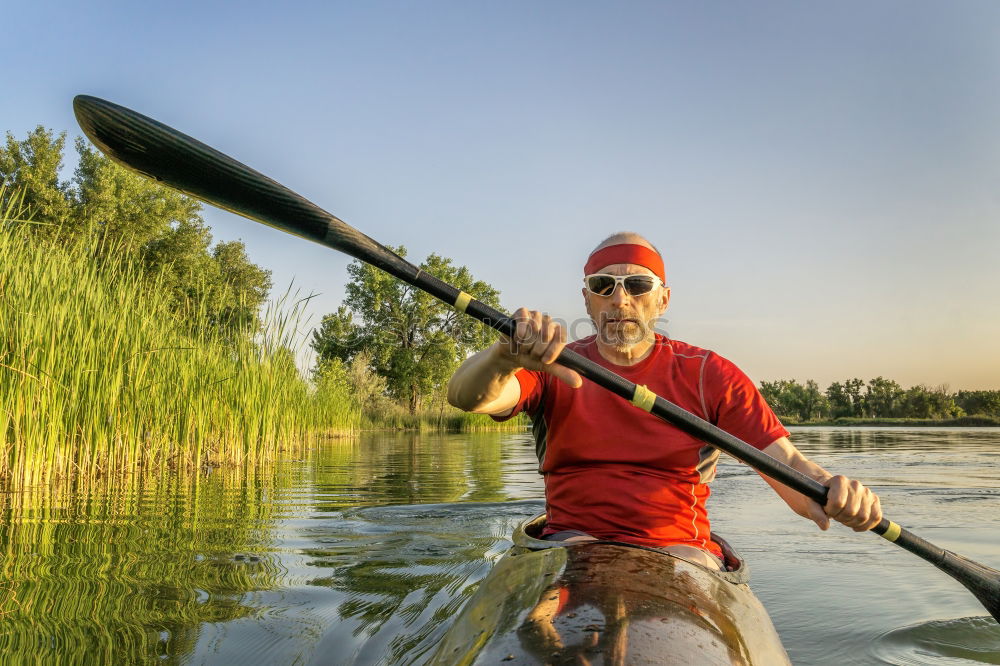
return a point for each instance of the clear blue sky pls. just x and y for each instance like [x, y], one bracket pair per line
[821, 177]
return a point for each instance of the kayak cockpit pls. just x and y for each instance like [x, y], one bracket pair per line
[528, 535]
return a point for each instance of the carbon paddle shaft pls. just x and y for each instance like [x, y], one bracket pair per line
[178, 161]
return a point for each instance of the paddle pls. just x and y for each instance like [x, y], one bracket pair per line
[178, 161]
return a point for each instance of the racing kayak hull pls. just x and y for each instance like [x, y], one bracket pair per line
[609, 603]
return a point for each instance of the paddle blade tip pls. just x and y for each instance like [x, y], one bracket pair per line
[981, 580]
[87, 108]
[92, 115]
[126, 136]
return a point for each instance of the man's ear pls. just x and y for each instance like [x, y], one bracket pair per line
[664, 300]
[586, 302]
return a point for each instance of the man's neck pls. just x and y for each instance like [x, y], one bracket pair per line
[626, 356]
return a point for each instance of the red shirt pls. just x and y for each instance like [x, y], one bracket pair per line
[616, 472]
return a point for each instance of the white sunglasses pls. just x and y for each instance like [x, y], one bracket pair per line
[603, 284]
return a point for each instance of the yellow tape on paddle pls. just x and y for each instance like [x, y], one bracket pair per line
[643, 398]
[893, 532]
[462, 301]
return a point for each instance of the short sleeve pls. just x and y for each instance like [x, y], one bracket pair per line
[736, 406]
[531, 383]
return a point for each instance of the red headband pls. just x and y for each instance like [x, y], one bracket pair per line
[626, 253]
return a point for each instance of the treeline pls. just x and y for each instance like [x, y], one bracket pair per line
[116, 215]
[878, 398]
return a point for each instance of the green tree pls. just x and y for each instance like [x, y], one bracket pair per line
[846, 398]
[778, 395]
[414, 341]
[980, 403]
[31, 168]
[839, 400]
[219, 287]
[367, 387]
[854, 388]
[180, 256]
[123, 210]
[242, 285]
[787, 398]
[340, 337]
[808, 401]
[883, 398]
[921, 402]
[115, 212]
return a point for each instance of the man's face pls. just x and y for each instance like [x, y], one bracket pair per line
[622, 320]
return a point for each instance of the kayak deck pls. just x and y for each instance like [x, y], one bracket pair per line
[609, 603]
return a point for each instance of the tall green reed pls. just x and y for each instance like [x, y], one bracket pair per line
[99, 375]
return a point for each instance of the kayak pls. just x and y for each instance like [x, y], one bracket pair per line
[604, 602]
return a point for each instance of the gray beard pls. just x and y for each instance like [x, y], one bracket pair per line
[623, 337]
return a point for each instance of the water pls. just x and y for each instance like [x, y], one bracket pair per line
[361, 551]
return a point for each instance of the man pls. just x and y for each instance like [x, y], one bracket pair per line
[615, 472]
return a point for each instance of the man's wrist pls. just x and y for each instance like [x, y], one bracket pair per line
[503, 360]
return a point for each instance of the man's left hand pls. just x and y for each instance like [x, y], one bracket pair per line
[848, 502]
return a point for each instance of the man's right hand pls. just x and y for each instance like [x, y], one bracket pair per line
[485, 382]
[536, 344]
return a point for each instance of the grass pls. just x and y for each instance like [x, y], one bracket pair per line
[446, 419]
[98, 376]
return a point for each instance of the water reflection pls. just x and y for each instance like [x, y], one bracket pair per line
[121, 572]
[412, 468]
[384, 469]
[362, 550]
[898, 440]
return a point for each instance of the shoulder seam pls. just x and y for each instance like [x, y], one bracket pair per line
[701, 386]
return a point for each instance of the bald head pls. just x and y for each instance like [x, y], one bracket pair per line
[621, 237]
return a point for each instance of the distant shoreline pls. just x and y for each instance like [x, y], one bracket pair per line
[963, 422]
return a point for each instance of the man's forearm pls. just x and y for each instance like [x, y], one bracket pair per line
[784, 451]
[848, 501]
[485, 383]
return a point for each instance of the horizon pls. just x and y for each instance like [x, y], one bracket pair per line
[821, 181]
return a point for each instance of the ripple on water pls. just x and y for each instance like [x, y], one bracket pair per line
[964, 640]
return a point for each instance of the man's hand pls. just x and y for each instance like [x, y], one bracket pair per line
[536, 344]
[485, 382]
[848, 501]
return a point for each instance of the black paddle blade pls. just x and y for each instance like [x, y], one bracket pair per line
[178, 161]
[981, 580]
